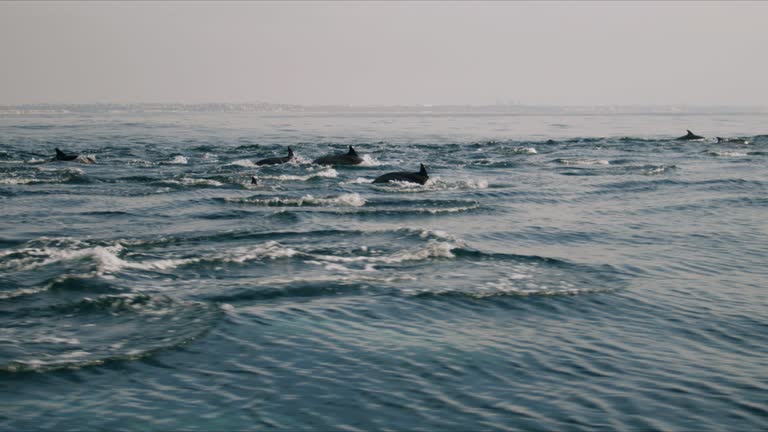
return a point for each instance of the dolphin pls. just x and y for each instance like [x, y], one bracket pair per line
[732, 140]
[61, 156]
[420, 177]
[254, 181]
[276, 160]
[350, 158]
[690, 136]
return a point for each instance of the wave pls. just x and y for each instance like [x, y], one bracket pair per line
[435, 183]
[520, 150]
[346, 200]
[187, 181]
[93, 331]
[106, 261]
[46, 175]
[141, 163]
[727, 153]
[578, 161]
[369, 161]
[177, 160]
[655, 169]
[325, 173]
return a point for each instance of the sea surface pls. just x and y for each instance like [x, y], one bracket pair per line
[557, 272]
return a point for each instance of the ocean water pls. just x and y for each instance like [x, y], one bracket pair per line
[569, 272]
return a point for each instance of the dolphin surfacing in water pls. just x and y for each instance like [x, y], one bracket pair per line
[61, 156]
[349, 158]
[276, 160]
[419, 177]
[690, 136]
[732, 140]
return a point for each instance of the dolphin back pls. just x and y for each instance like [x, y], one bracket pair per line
[349, 158]
[420, 177]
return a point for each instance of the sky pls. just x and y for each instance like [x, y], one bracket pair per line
[385, 53]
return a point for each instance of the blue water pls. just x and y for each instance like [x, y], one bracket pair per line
[572, 272]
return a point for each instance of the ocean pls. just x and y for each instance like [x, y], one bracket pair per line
[557, 272]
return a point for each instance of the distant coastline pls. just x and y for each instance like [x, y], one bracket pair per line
[266, 107]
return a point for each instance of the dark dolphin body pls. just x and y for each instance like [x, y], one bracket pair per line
[349, 158]
[276, 160]
[420, 177]
[61, 156]
[690, 136]
[254, 181]
[732, 140]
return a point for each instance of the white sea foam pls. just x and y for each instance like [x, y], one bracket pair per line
[576, 161]
[194, 182]
[369, 161]
[325, 173]
[244, 163]
[56, 340]
[18, 181]
[433, 184]
[658, 169]
[107, 259]
[346, 200]
[299, 160]
[428, 233]
[178, 160]
[86, 159]
[140, 162]
[20, 292]
[433, 249]
[727, 153]
[359, 180]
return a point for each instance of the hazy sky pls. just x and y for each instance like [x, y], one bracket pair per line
[707, 53]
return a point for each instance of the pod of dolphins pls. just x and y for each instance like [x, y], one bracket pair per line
[690, 136]
[352, 158]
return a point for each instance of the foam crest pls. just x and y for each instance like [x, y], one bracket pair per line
[659, 169]
[433, 184]
[18, 181]
[426, 233]
[299, 160]
[86, 159]
[433, 249]
[244, 163]
[577, 161]
[346, 200]
[140, 163]
[522, 150]
[107, 260]
[727, 153]
[178, 160]
[369, 161]
[27, 259]
[359, 180]
[186, 181]
[325, 173]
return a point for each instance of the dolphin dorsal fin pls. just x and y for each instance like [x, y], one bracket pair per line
[254, 181]
[351, 152]
[290, 152]
[422, 170]
[689, 132]
[59, 152]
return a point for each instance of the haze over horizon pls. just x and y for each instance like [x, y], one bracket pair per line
[479, 53]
